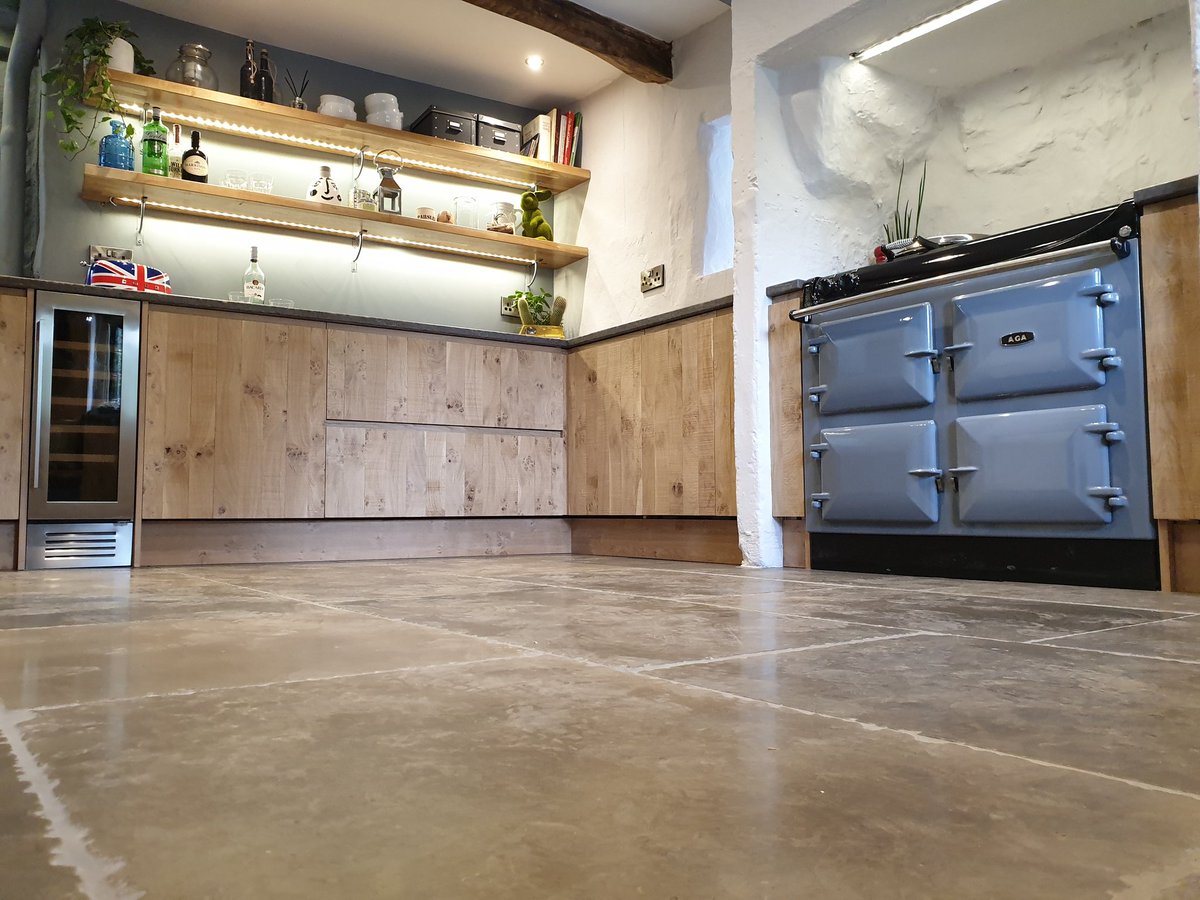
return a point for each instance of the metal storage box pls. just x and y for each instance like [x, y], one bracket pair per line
[447, 124]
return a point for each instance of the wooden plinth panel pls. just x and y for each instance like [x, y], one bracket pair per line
[687, 540]
[650, 422]
[1179, 556]
[1171, 297]
[382, 376]
[234, 417]
[332, 540]
[787, 412]
[14, 397]
[407, 471]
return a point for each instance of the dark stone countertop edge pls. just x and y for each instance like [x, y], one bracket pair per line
[666, 318]
[1170, 190]
[1159, 193]
[279, 312]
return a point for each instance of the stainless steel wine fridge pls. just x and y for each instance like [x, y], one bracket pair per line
[84, 436]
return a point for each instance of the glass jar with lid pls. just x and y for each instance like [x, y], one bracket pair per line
[192, 68]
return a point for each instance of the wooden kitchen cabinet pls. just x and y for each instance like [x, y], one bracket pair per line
[14, 397]
[787, 412]
[381, 376]
[400, 471]
[234, 417]
[1170, 249]
[650, 427]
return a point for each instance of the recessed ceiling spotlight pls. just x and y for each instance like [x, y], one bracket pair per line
[939, 21]
[534, 62]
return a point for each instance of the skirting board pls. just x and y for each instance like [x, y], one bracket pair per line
[686, 540]
[1179, 556]
[8, 546]
[795, 544]
[215, 542]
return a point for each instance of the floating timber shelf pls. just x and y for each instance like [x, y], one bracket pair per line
[227, 114]
[257, 210]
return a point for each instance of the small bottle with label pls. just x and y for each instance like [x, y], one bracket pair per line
[175, 152]
[195, 161]
[254, 282]
[116, 150]
[154, 145]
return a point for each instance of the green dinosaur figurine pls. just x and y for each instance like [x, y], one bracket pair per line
[533, 223]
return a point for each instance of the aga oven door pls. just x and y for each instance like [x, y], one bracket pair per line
[84, 436]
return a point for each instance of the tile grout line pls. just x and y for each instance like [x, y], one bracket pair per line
[316, 679]
[1064, 637]
[656, 667]
[71, 852]
[1170, 659]
[866, 726]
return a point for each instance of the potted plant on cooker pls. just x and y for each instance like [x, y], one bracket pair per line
[540, 316]
[80, 79]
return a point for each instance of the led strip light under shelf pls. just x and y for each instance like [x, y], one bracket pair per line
[283, 137]
[136, 202]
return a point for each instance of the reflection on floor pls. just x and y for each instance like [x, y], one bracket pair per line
[580, 727]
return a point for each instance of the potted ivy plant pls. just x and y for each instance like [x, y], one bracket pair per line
[540, 316]
[80, 79]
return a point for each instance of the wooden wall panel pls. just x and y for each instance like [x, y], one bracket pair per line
[787, 412]
[234, 417]
[404, 471]
[378, 376]
[180, 543]
[1171, 298]
[14, 399]
[650, 427]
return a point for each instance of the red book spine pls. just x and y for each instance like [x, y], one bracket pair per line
[570, 141]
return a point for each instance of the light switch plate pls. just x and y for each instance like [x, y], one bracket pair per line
[652, 279]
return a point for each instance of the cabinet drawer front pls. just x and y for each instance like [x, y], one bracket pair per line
[1034, 338]
[1046, 466]
[878, 473]
[876, 361]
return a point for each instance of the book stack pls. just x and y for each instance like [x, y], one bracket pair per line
[553, 137]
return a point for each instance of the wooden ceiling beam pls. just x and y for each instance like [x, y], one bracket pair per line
[633, 52]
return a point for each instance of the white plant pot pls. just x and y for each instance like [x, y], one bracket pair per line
[120, 55]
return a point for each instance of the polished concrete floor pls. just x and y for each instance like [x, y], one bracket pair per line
[577, 727]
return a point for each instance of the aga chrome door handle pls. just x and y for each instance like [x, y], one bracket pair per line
[962, 470]
[958, 348]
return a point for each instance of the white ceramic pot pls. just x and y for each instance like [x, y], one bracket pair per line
[387, 120]
[377, 103]
[120, 55]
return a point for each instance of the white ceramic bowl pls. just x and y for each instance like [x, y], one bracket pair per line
[387, 119]
[338, 114]
[336, 100]
[339, 107]
[381, 103]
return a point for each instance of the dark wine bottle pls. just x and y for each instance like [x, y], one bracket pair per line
[195, 161]
[249, 70]
[264, 84]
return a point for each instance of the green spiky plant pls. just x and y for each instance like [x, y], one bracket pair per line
[538, 308]
[904, 225]
[80, 79]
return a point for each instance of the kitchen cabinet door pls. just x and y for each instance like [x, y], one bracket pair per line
[234, 417]
[14, 397]
[1171, 300]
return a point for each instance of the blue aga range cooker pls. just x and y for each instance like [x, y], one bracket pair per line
[980, 410]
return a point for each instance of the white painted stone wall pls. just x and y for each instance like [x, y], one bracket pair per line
[646, 202]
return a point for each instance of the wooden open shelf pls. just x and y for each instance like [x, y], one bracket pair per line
[227, 114]
[208, 201]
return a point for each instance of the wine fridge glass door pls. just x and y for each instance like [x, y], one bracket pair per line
[85, 410]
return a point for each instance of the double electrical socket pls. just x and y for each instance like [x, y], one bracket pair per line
[508, 308]
[98, 251]
[653, 278]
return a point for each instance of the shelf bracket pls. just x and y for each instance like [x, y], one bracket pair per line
[141, 220]
[362, 232]
[532, 277]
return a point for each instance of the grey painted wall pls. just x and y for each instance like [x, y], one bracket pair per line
[209, 259]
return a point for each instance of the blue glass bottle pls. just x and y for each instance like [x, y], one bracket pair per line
[116, 150]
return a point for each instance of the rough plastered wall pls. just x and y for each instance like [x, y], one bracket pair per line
[1081, 131]
[647, 148]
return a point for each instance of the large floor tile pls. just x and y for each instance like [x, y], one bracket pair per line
[1132, 718]
[614, 629]
[1176, 639]
[27, 855]
[536, 778]
[101, 662]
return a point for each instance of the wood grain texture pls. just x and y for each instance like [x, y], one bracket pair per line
[686, 540]
[178, 543]
[650, 424]
[405, 471]
[787, 413]
[1171, 300]
[8, 546]
[1179, 556]
[633, 52]
[14, 398]
[234, 417]
[390, 376]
